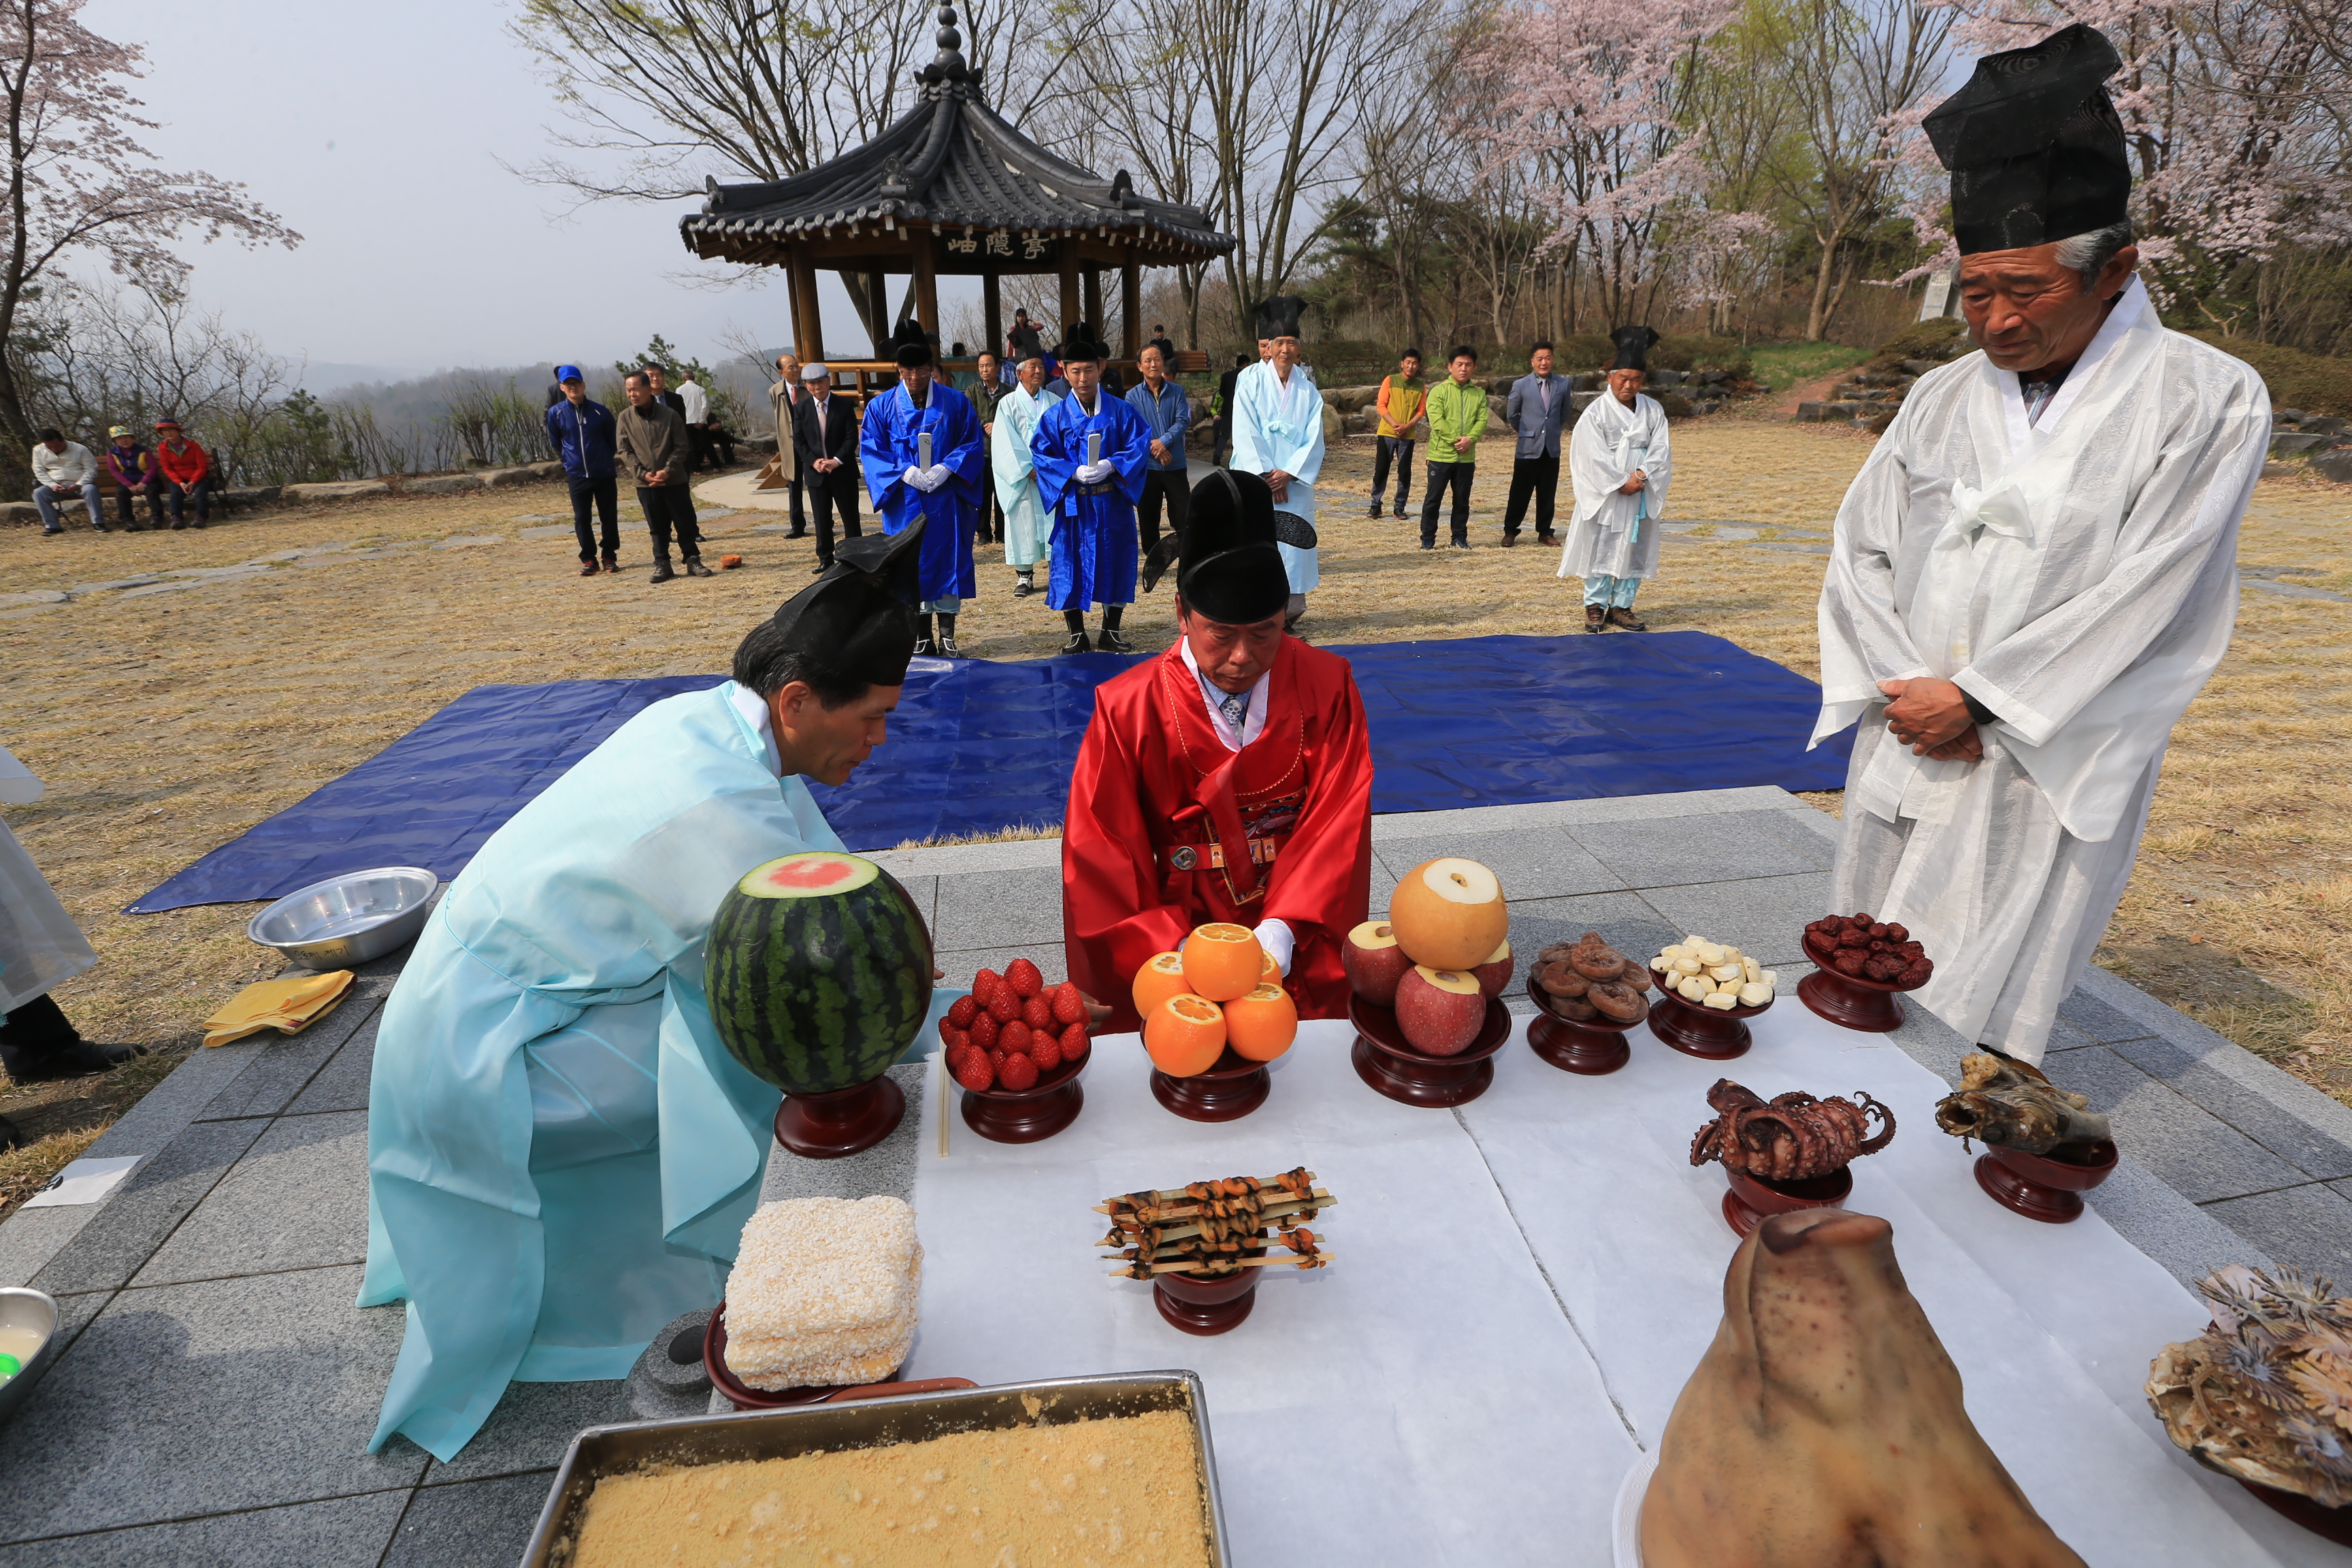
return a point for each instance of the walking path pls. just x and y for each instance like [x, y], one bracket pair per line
[216, 1387]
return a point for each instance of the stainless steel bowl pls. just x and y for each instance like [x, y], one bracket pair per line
[347, 920]
[602, 1451]
[21, 1311]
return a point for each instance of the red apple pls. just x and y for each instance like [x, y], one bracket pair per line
[1495, 972]
[1440, 1010]
[1374, 962]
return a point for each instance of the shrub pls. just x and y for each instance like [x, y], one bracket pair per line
[2316, 384]
[1703, 354]
[1945, 338]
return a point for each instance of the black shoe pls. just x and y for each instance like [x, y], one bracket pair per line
[10, 1138]
[1459, 543]
[662, 573]
[1398, 515]
[922, 647]
[1113, 640]
[1376, 510]
[83, 1056]
[1078, 644]
[821, 568]
[695, 568]
[200, 522]
[948, 649]
[181, 524]
[588, 569]
[1428, 544]
[1023, 587]
[611, 563]
[798, 533]
[51, 532]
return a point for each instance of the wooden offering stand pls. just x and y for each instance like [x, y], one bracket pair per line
[743, 1396]
[1589, 1046]
[2041, 1187]
[1203, 1245]
[1849, 1001]
[1385, 1060]
[845, 1122]
[1227, 1091]
[1711, 1034]
[1028, 1115]
[1754, 1199]
[2328, 1523]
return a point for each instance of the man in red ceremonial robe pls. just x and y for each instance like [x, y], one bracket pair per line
[1229, 779]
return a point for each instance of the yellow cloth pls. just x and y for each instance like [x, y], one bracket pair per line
[286, 1006]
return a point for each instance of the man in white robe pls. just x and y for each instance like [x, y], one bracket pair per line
[1620, 462]
[1278, 433]
[2036, 569]
[1014, 474]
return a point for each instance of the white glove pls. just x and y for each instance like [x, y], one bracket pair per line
[914, 478]
[1275, 937]
[1093, 473]
[937, 474]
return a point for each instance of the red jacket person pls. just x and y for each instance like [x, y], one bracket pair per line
[1229, 779]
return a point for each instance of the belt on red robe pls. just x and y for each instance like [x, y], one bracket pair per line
[1191, 857]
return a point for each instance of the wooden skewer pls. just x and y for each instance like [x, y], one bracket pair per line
[1124, 1200]
[1322, 1200]
[1312, 1260]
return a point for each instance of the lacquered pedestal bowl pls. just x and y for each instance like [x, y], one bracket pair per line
[1385, 1060]
[2041, 1187]
[1211, 1306]
[1228, 1090]
[1752, 1200]
[845, 1122]
[1711, 1034]
[1849, 1001]
[1027, 1115]
[1587, 1045]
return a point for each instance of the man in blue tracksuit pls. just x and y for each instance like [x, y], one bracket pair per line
[580, 431]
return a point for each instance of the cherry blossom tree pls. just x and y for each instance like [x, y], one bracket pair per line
[80, 183]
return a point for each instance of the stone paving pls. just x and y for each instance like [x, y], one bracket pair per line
[213, 1388]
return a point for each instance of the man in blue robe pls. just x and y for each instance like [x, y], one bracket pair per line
[946, 489]
[561, 1153]
[1278, 433]
[1093, 456]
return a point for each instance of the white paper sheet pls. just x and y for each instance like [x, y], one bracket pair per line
[1422, 1401]
[83, 1182]
[2053, 1327]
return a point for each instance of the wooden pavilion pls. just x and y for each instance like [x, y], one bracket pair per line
[951, 187]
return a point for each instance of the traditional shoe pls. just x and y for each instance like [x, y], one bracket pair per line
[922, 647]
[662, 573]
[1113, 640]
[1625, 618]
[1078, 644]
[82, 1058]
[695, 568]
[948, 649]
[588, 569]
[1023, 587]
[1596, 619]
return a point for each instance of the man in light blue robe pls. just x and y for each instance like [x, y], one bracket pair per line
[946, 489]
[1278, 433]
[561, 1153]
[1089, 489]
[1015, 477]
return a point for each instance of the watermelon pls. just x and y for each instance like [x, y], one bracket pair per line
[818, 968]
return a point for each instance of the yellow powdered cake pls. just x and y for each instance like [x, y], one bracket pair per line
[824, 1292]
[1124, 1490]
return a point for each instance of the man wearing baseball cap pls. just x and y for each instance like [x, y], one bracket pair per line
[132, 467]
[581, 432]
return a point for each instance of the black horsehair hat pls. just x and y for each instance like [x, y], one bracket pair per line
[1227, 566]
[2034, 146]
[1633, 348]
[1278, 316]
[858, 620]
[911, 355]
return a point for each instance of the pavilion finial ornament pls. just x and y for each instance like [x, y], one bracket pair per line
[891, 179]
[948, 65]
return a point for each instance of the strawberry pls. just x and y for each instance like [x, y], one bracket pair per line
[975, 1072]
[1068, 1006]
[1024, 977]
[955, 1039]
[984, 984]
[997, 1060]
[1014, 1038]
[1038, 1014]
[961, 1010]
[1005, 1005]
[1073, 1043]
[1018, 1073]
[984, 1029]
[947, 1031]
[1046, 1052]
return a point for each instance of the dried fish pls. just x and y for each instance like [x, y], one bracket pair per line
[2012, 1106]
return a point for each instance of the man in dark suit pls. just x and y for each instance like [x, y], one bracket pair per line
[1223, 441]
[1536, 411]
[825, 439]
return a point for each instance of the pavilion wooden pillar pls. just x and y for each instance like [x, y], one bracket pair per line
[991, 305]
[877, 311]
[1131, 306]
[1092, 278]
[1071, 309]
[926, 281]
[808, 321]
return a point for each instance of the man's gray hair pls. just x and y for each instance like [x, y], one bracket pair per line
[2088, 254]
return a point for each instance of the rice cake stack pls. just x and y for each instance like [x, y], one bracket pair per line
[824, 1293]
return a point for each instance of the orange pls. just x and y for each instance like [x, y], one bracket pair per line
[1162, 976]
[1223, 961]
[1272, 973]
[1184, 1035]
[1261, 1025]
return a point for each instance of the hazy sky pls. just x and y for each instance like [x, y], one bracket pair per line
[375, 132]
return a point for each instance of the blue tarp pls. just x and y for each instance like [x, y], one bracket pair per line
[976, 747]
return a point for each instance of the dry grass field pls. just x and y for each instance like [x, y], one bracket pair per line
[165, 724]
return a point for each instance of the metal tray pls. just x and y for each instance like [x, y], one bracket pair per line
[602, 1451]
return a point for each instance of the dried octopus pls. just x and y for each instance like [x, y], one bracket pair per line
[1794, 1138]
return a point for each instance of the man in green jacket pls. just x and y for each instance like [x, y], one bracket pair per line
[1457, 417]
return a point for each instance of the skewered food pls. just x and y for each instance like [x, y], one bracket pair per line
[2266, 1395]
[1871, 950]
[2011, 1105]
[1715, 975]
[1824, 1428]
[824, 1292]
[1217, 1228]
[1794, 1138]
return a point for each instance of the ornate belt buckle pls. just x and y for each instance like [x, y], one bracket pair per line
[1183, 858]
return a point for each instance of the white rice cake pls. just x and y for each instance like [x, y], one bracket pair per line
[824, 1292]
